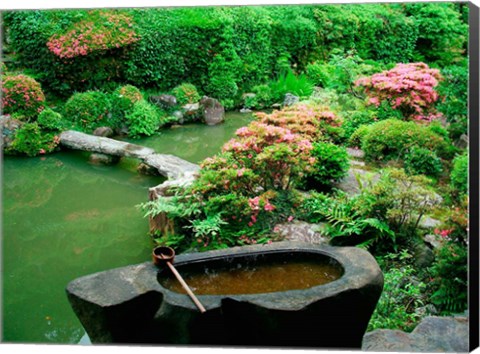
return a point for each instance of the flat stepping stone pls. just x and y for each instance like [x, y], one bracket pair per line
[357, 153]
[357, 163]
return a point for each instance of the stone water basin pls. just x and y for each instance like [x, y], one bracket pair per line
[312, 296]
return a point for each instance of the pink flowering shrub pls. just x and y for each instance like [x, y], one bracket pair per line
[278, 156]
[409, 88]
[22, 95]
[241, 193]
[311, 122]
[103, 30]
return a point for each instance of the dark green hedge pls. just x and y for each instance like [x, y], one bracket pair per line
[227, 50]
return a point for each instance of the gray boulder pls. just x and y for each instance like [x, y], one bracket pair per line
[435, 241]
[433, 335]
[179, 116]
[429, 223]
[8, 127]
[301, 231]
[423, 255]
[191, 111]
[462, 142]
[163, 101]
[290, 100]
[212, 110]
[349, 184]
[103, 131]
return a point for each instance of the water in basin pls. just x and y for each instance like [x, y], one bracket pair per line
[263, 275]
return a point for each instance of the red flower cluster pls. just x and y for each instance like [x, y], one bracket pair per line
[102, 31]
[23, 95]
[407, 87]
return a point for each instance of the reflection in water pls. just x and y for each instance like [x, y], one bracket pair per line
[64, 218]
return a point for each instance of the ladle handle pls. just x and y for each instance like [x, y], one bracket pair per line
[187, 289]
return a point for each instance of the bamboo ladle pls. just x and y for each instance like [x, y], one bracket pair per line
[165, 255]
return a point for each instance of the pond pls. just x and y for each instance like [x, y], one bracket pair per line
[64, 218]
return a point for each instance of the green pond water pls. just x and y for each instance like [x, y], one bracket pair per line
[63, 218]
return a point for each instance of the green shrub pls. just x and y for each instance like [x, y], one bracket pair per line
[422, 161]
[401, 201]
[348, 222]
[319, 73]
[399, 300]
[450, 275]
[22, 95]
[354, 119]
[359, 135]
[124, 97]
[3, 68]
[459, 174]
[454, 90]
[341, 71]
[222, 87]
[31, 141]
[262, 97]
[223, 71]
[380, 32]
[298, 85]
[50, 120]
[89, 110]
[442, 35]
[332, 163]
[186, 93]
[450, 271]
[144, 119]
[392, 138]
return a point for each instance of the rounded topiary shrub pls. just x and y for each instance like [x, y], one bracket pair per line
[222, 87]
[22, 96]
[50, 120]
[392, 138]
[186, 93]
[459, 174]
[331, 164]
[30, 140]
[89, 110]
[421, 161]
[144, 119]
[358, 135]
[125, 97]
[352, 120]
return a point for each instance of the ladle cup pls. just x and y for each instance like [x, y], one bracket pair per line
[164, 255]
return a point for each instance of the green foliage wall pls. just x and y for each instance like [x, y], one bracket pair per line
[228, 50]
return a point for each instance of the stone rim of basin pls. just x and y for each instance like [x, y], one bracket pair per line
[129, 305]
[359, 269]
